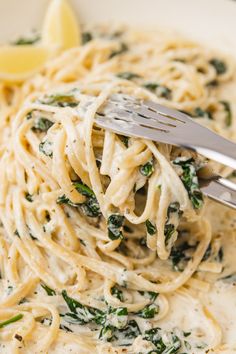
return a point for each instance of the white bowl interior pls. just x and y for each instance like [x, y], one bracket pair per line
[209, 21]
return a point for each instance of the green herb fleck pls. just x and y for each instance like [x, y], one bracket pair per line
[116, 292]
[64, 200]
[86, 37]
[84, 189]
[42, 125]
[46, 148]
[82, 242]
[114, 225]
[190, 180]
[27, 40]
[11, 320]
[219, 66]
[180, 255]
[123, 48]
[16, 233]
[173, 345]
[124, 139]
[80, 314]
[228, 112]
[168, 232]
[151, 294]
[61, 99]
[29, 197]
[149, 311]
[126, 75]
[90, 207]
[199, 112]
[151, 228]
[159, 90]
[147, 169]
[48, 290]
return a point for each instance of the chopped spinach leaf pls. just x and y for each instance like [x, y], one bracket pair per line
[107, 334]
[219, 65]
[174, 208]
[180, 255]
[82, 242]
[42, 124]
[207, 253]
[151, 294]
[123, 48]
[29, 197]
[27, 40]
[71, 303]
[126, 75]
[149, 311]
[46, 148]
[48, 290]
[90, 207]
[80, 314]
[29, 115]
[115, 318]
[186, 334]
[16, 233]
[168, 232]
[199, 112]
[228, 112]
[84, 189]
[131, 330]
[11, 320]
[86, 37]
[170, 228]
[160, 90]
[190, 180]
[61, 99]
[151, 228]
[147, 169]
[114, 225]
[155, 336]
[124, 139]
[65, 328]
[64, 200]
[116, 292]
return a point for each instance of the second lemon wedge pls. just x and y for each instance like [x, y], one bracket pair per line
[17, 63]
[60, 26]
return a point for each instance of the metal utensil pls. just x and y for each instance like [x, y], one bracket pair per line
[149, 120]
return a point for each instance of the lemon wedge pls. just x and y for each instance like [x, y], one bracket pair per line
[60, 26]
[18, 62]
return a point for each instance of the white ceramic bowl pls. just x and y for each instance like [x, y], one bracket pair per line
[209, 21]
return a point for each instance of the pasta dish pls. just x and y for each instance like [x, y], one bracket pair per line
[107, 242]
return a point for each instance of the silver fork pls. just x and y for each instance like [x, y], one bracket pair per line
[149, 120]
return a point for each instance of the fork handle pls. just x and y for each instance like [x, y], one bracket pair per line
[220, 190]
[216, 148]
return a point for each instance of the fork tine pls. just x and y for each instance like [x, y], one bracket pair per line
[168, 112]
[145, 119]
[148, 110]
[136, 118]
[125, 127]
[152, 118]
